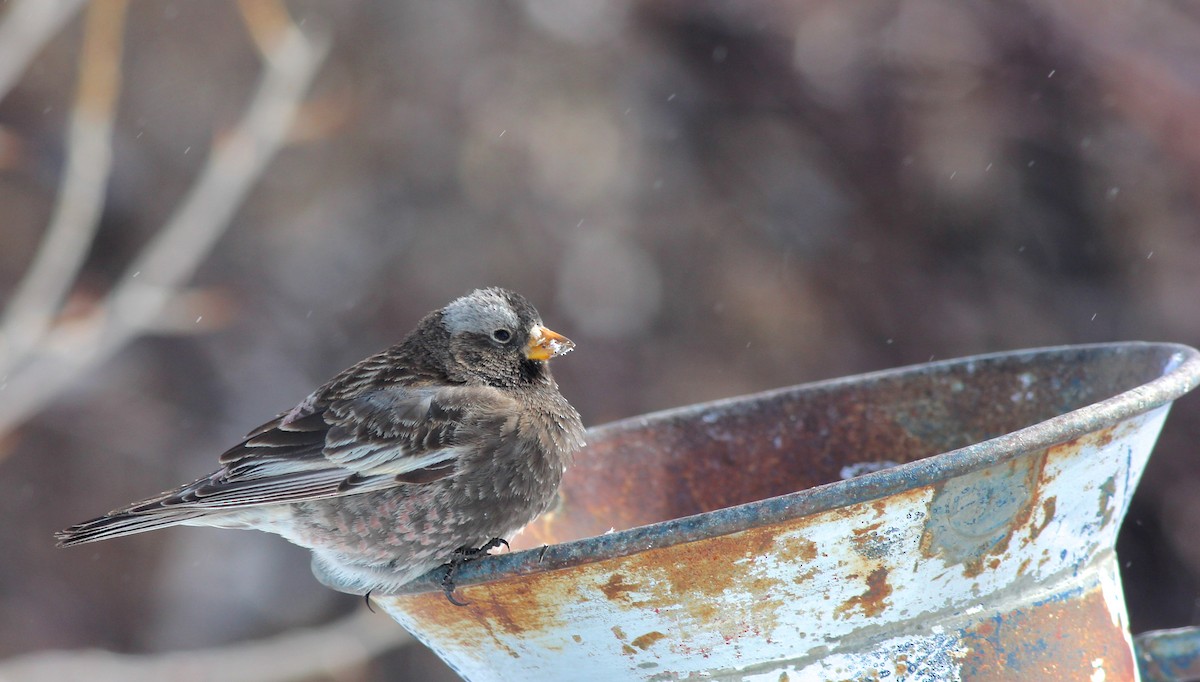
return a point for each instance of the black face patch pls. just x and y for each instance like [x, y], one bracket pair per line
[532, 370]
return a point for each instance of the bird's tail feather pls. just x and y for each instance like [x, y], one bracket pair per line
[117, 524]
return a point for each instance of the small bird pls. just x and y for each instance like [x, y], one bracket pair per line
[428, 452]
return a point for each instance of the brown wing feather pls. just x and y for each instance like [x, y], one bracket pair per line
[384, 438]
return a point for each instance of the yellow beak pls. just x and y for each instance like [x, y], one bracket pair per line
[545, 344]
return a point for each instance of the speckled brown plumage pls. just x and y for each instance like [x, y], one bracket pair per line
[454, 436]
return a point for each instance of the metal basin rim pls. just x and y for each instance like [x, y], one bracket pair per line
[1181, 375]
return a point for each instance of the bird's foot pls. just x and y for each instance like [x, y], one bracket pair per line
[464, 555]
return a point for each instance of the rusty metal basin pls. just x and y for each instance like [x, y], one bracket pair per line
[948, 521]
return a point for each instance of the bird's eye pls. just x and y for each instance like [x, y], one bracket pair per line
[502, 335]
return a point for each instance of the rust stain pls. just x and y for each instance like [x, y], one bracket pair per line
[446, 621]
[866, 533]
[524, 607]
[1095, 439]
[805, 576]
[577, 638]
[617, 588]
[806, 550]
[866, 540]
[1054, 641]
[647, 640]
[1049, 507]
[927, 546]
[691, 578]
[880, 506]
[870, 543]
[687, 580]
[873, 601]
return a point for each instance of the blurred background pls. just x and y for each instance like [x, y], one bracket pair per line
[710, 198]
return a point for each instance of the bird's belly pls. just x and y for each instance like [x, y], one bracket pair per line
[411, 524]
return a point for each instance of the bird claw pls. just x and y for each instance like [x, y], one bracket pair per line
[487, 547]
[464, 555]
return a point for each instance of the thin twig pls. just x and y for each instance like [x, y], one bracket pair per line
[172, 256]
[237, 161]
[296, 655]
[267, 21]
[27, 28]
[81, 199]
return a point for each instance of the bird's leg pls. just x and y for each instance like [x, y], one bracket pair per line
[461, 556]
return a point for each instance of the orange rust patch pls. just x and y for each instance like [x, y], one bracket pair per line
[1049, 506]
[617, 588]
[647, 640]
[865, 539]
[458, 625]
[806, 550]
[526, 607]
[709, 567]
[866, 533]
[1097, 439]
[873, 601]
[849, 512]
[805, 576]
[691, 579]
[1054, 641]
[687, 581]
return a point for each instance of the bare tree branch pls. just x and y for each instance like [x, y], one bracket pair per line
[27, 28]
[296, 655]
[267, 21]
[237, 161]
[81, 199]
[40, 360]
[150, 283]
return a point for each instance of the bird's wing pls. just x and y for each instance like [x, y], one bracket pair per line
[372, 441]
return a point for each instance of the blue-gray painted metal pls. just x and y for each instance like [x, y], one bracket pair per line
[991, 559]
[1169, 655]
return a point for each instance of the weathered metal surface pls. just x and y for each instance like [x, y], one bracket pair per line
[1169, 655]
[738, 553]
